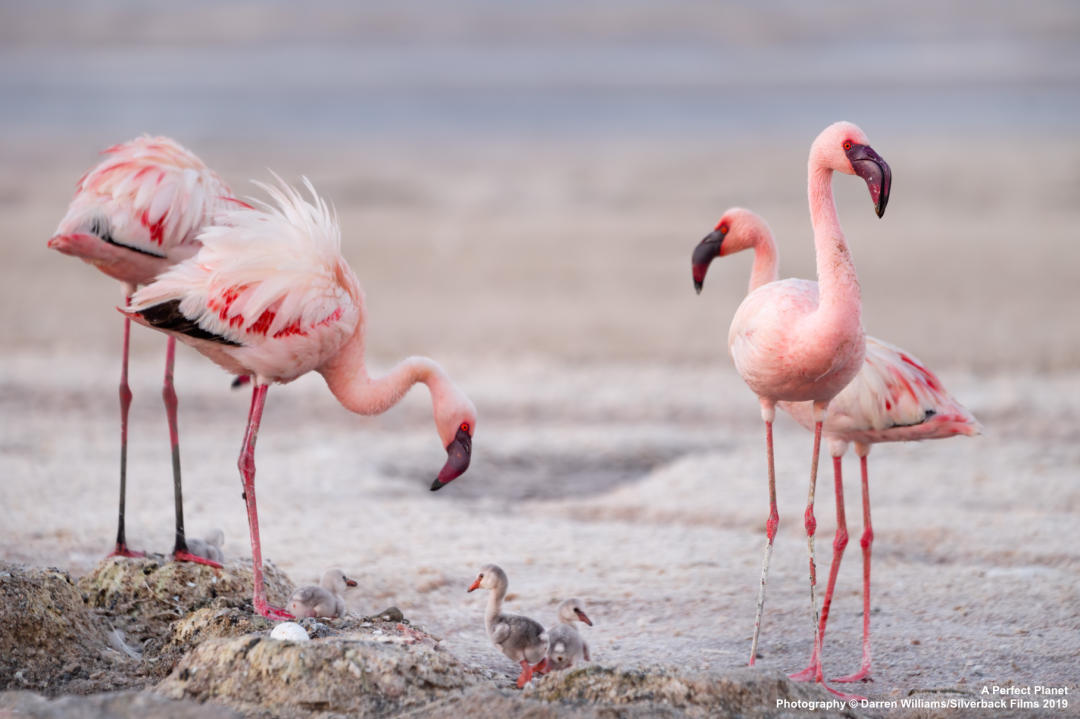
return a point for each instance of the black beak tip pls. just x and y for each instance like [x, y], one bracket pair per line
[879, 208]
[436, 485]
[698, 286]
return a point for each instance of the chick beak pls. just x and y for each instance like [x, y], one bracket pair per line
[582, 617]
[475, 585]
[350, 582]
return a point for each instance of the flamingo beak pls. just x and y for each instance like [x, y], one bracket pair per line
[459, 453]
[872, 168]
[706, 251]
[350, 582]
[475, 585]
[582, 617]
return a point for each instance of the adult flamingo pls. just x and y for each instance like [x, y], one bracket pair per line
[269, 295]
[134, 215]
[894, 398]
[799, 341]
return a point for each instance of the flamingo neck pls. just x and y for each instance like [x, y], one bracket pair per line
[766, 260]
[837, 282]
[347, 377]
[494, 607]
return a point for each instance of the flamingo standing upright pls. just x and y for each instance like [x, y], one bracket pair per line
[894, 398]
[134, 215]
[269, 295]
[800, 341]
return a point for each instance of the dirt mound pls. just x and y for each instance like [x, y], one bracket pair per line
[740, 692]
[266, 677]
[145, 596]
[120, 705]
[49, 638]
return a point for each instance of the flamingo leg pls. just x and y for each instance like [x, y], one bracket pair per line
[839, 544]
[867, 540]
[247, 472]
[770, 532]
[168, 393]
[811, 528]
[526, 674]
[121, 549]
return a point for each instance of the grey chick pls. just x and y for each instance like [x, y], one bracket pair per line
[565, 646]
[521, 639]
[210, 547]
[327, 600]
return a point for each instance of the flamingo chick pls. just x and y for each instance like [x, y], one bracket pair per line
[210, 547]
[894, 398]
[326, 600]
[521, 639]
[135, 215]
[269, 295]
[800, 341]
[565, 646]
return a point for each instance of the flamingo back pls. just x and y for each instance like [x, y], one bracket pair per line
[269, 288]
[894, 398]
[150, 195]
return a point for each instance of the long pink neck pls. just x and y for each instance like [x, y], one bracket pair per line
[766, 260]
[841, 297]
[347, 377]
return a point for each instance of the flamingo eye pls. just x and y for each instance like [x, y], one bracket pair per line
[723, 229]
[465, 427]
[847, 145]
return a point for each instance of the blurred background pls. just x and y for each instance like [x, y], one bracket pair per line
[528, 179]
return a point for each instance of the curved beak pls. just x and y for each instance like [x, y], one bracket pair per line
[581, 615]
[871, 167]
[475, 585]
[706, 251]
[350, 582]
[458, 454]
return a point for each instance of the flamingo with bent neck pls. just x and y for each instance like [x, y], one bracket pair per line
[269, 295]
[894, 398]
[799, 341]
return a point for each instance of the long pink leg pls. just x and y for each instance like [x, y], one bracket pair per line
[168, 393]
[247, 472]
[811, 528]
[769, 413]
[867, 540]
[839, 544]
[121, 549]
[526, 674]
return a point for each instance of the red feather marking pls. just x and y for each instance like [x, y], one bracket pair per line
[157, 229]
[262, 325]
[293, 329]
[888, 405]
[334, 317]
[243, 204]
[927, 374]
[223, 302]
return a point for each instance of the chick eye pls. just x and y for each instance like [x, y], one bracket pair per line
[847, 145]
[481, 576]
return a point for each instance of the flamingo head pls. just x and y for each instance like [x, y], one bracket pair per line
[844, 147]
[491, 576]
[736, 231]
[455, 418]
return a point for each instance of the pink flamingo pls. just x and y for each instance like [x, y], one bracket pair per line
[894, 398]
[269, 295]
[800, 341]
[134, 215]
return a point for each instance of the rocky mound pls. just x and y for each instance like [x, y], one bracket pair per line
[147, 595]
[259, 676]
[49, 638]
[120, 705]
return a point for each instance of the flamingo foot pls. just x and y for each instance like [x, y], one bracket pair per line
[863, 675]
[842, 695]
[184, 556]
[123, 551]
[271, 612]
[542, 666]
[526, 674]
[806, 675]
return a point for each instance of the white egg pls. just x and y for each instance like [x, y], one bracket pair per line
[290, 632]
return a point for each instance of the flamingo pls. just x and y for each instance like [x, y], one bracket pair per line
[894, 398]
[134, 215]
[800, 341]
[269, 295]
